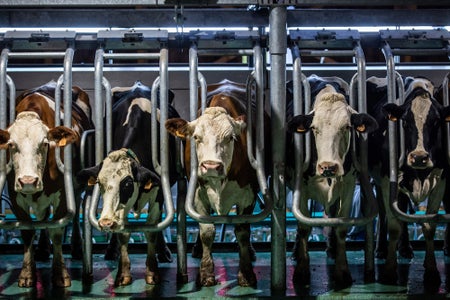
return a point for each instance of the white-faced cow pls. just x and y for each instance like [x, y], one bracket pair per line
[331, 176]
[225, 175]
[35, 184]
[422, 175]
[127, 178]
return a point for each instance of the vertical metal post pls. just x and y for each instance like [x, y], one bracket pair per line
[278, 48]
[3, 112]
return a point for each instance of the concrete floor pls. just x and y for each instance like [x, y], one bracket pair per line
[410, 287]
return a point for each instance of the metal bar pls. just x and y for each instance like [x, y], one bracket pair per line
[122, 56]
[31, 55]
[446, 102]
[3, 112]
[225, 52]
[154, 125]
[278, 48]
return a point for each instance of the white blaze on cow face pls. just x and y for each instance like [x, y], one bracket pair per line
[331, 128]
[115, 169]
[214, 134]
[420, 108]
[28, 146]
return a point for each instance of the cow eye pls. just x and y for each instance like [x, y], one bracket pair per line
[197, 138]
[126, 189]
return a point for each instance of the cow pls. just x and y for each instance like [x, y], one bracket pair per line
[128, 180]
[35, 184]
[422, 173]
[225, 175]
[331, 176]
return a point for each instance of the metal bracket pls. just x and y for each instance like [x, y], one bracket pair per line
[39, 40]
[416, 39]
[224, 39]
[324, 39]
[132, 39]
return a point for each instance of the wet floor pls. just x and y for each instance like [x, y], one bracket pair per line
[226, 264]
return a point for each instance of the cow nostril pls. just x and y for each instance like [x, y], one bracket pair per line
[327, 169]
[28, 180]
[420, 159]
[106, 224]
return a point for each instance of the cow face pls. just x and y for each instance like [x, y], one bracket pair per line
[121, 179]
[422, 118]
[331, 122]
[214, 134]
[28, 140]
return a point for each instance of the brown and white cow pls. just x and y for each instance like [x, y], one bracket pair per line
[331, 176]
[422, 174]
[225, 175]
[128, 180]
[35, 184]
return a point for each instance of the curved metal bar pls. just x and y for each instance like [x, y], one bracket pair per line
[108, 107]
[400, 100]
[154, 125]
[361, 166]
[412, 218]
[59, 84]
[68, 183]
[250, 81]
[446, 103]
[162, 168]
[203, 91]
[83, 145]
[190, 207]
[3, 112]
[12, 98]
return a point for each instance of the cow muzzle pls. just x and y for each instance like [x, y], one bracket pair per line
[28, 185]
[108, 225]
[419, 160]
[327, 169]
[212, 169]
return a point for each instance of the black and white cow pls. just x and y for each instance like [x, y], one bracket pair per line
[127, 177]
[331, 176]
[35, 183]
[423, 172]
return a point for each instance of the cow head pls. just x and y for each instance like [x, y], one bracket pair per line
[331, 122]
[28, 140]
[122, 180]
[422, 117]
[214, 133]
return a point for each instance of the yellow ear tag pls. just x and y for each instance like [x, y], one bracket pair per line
[92, 181]
[148, 185]
[179, 134]
[392, 118]
[301, 129]
[62, 142]
[447, 119]
[361, 128]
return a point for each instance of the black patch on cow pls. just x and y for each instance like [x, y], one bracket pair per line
[126, 189]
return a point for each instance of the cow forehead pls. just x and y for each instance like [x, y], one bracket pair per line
[144, 104]
[28, 127]
[332, 110]
[115, 169]
[217, 122]
[423, 83]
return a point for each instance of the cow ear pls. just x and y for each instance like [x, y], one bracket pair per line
[363, 123]
[241, 121]
[178, 127]
[62, 135]
[89, 175]
[300, 123]
[392, 111]
[4, 139]
[146, 177]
